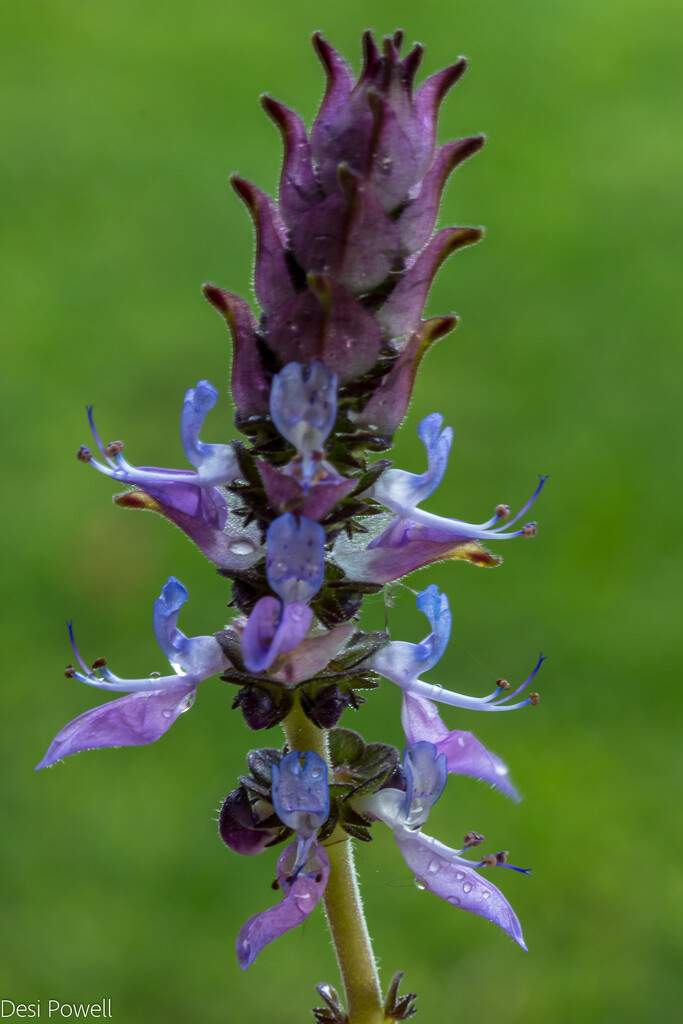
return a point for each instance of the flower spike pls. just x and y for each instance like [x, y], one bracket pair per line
[305, 524]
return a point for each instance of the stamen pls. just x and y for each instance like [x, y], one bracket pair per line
[99, 663]
[524, 685]
[98, 439]
[502, 684]
[69, 671]
[532, 499]
[84, 454]
[419, 688]
[114, 448]
[472, 839]
[79, 659]
[534, 699]
[499, 860]
[502, 511]
[529, 530]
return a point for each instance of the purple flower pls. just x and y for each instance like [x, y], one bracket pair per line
[415, 538]
[403, 663]
[301, 798]
[153, 703]
[215, 464]
[437, 867]
[303, 407]
[295, 565]
[193, 500]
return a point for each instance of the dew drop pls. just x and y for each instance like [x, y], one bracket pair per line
[419, 884]
[459, 875]
[165, 713]
[486, 894]
[433, 866]
[467, 887]
[242, 547]
[154, 675]
[455, 900]
[461, 741]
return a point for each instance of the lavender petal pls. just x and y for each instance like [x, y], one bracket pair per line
[300, 899]
[465, 755]
[271, 630]
[452, 881]
[135, 719]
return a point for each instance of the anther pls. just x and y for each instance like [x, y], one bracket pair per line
[69, 671]
[490, 860]
[99, 663]
[529, 530]
[84, 454]
[114, 448]
[275, 884]
[534, 698]
[502, 684]
[502, 511]
[501, 858]
[472, 839]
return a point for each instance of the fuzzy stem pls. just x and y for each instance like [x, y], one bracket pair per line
[342, 900]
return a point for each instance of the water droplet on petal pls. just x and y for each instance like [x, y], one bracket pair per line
[434, 866]
[419, 884]
[242, 547]
[165, 713]
[455, 900]
[459, 875]
[467, 887]
[461, 741]
[154, 675]
[486, 893]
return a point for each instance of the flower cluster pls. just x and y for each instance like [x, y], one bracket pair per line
[304, 521]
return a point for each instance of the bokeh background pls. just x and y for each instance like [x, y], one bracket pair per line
[120, 123]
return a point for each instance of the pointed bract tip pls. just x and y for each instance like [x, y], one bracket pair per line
[214, 295]
[275, 110]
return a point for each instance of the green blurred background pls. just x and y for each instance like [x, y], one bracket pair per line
[120, 123]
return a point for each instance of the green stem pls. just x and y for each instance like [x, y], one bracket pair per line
[342, 900]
